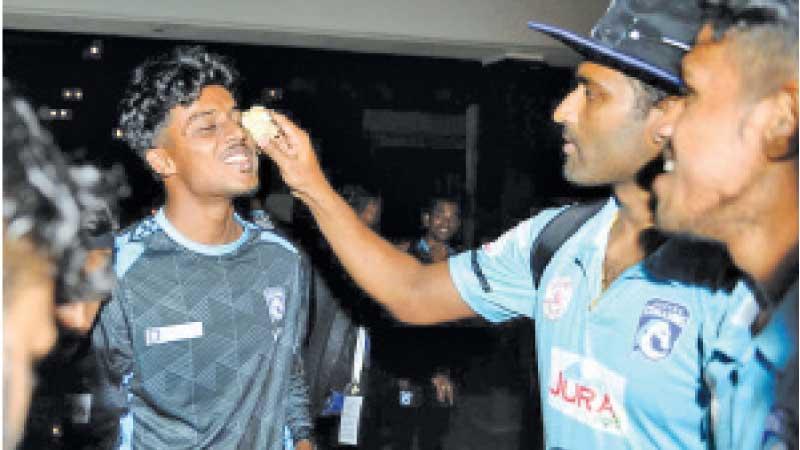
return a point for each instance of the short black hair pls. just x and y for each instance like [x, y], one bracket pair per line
[49, 202]
[441, 198]
[357, 196]
[725, 15]
[764, 37]
[160, 84]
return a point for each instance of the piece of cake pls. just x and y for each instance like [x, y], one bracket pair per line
[258, 122]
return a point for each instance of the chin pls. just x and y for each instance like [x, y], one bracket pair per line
[244, 187]
[244, 191]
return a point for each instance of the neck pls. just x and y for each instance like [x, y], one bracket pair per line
[765, 244]
[438, 248]
[635, 213]
[203, 221]
[768, 252]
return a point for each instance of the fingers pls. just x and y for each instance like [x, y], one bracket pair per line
[291, 139]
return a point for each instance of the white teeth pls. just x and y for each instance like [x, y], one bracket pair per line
[669, 165]
[235, 159]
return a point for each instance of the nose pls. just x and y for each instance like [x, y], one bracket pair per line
[566, 111]
[672, 108]
[234, 130]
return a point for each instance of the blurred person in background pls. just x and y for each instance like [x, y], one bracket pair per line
[78, 407]
[339, 316]
[46, 257]
[416, 363]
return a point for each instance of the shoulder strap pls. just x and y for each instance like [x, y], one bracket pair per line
[556, 232]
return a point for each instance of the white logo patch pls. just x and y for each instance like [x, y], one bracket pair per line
[587, 391]
[276, 303]
[276, 308]
[162, 335]
[557, 297]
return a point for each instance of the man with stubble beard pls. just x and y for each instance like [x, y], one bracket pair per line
[732, 177]
[205, 325]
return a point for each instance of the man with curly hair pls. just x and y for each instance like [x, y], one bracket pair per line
[46, 206]
[205, 326]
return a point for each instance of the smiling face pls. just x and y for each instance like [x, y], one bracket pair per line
[604, 130]
[443, 221]
[203, 149]
[370, 214]
[715, 159]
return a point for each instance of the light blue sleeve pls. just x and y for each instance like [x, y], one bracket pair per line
[112, 335]
[495, 280]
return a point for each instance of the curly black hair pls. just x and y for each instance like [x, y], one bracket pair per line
[160, 84]
[51, 203]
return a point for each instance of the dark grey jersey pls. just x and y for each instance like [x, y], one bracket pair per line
[207, 338]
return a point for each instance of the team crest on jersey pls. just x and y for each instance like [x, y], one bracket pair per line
[276, 302]
[557, 297]
[660, 325]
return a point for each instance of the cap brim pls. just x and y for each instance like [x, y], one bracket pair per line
[593, 49]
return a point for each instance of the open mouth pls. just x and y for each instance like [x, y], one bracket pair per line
[240, 157]
[569, 144]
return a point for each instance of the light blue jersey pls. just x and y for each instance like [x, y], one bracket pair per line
[621, 368]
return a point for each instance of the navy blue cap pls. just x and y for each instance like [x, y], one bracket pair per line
[643, 38]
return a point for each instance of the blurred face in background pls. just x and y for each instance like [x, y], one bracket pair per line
[370, 214]
[29, 330]
[443, 221]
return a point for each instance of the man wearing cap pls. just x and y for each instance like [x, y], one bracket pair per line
[622, 353]
[733, 179]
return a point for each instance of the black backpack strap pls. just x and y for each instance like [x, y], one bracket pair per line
[556, 232]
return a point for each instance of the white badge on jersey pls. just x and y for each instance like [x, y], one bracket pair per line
[348, 424]
[557, 297]
[276, 303]
[180, 332]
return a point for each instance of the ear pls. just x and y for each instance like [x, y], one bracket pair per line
[664, 115]
[160, 161]
[705, 35]
[781, 122]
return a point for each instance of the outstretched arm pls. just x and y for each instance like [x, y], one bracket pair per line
[413, 292]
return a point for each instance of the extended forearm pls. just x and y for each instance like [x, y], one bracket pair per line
[388, 275]
[411, 291]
